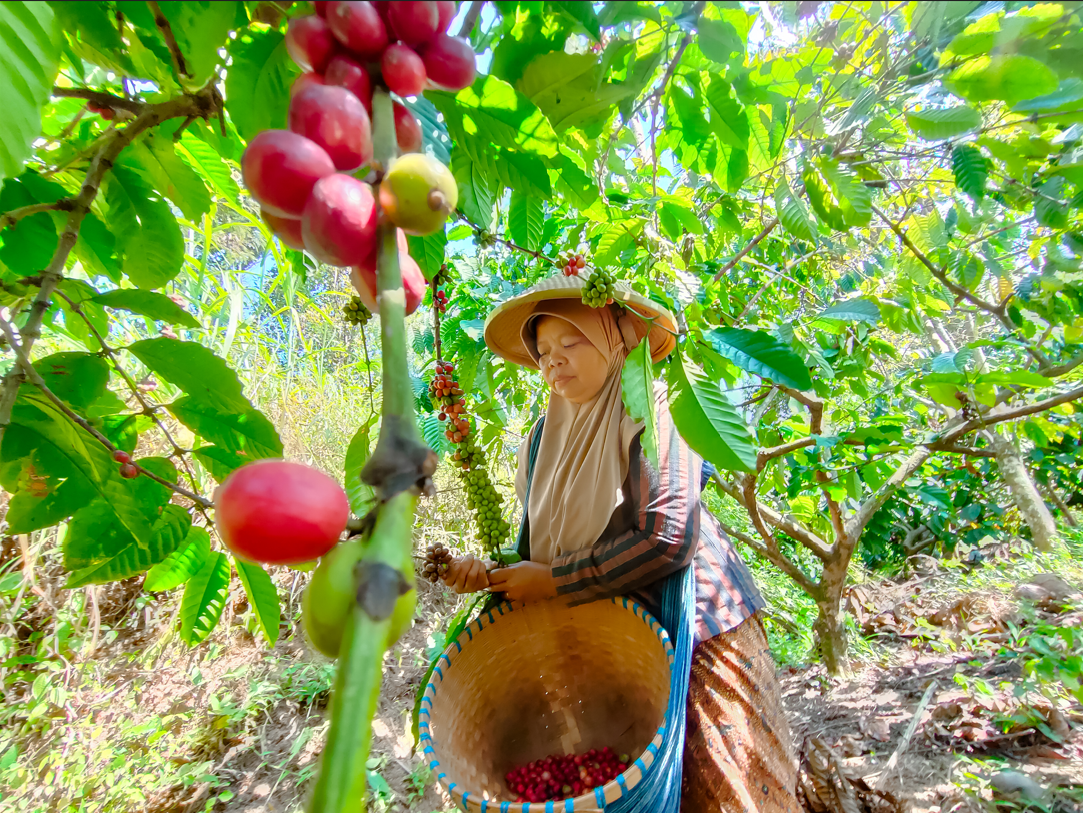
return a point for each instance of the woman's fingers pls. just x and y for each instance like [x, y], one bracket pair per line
[457, 572]
[477, 579]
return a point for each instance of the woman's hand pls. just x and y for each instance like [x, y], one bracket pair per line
[524, 581]
[467, 574]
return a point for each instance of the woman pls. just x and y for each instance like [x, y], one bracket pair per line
[603, 521]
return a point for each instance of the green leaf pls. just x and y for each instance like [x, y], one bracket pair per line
[156, 159]
[258, 81]
[729, 121]
[760, 353]
[134, 556]
[524, 172]
[475, 189]
[582, 13]
[201, 157]
[28, 247]
[30, 46]
[525, 220]
[219, 462]
[92, 34]
[502, 115]
[204, 598]
[707, 421]
[194, 369]
[1050, 209]
[793, 215]
[1014, 378]
[838, 195]
[79, 379]
[579, 189]
[150, 241]
[718, 40]
[179, 566]
[617, 237]
[637, 390]
[694, 129]
[247, 433]
[147, 303]
[262, 596]
[971, 170]
[1005, 77]
[934, 124]
[1067, 98]
[85, 457]
[357, 454]
[201, 27]
[569, 90]
[852, 310]
[429, 251]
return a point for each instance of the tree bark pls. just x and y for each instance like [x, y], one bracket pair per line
[1043, 528]
[830, 626]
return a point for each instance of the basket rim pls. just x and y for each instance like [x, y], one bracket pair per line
[600, 796]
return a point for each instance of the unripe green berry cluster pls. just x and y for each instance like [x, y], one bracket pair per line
[599, 289]
[355, 312]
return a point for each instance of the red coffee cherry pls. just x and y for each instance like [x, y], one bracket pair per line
[414, 22]
[357, 25]
[128, 471]
[310, 43]
[280, 169]
[347, 72]
[334, 119]
[449, 62]
[339, 221]
[402, 69]
[288, 229]
[407, 129]
[122, 456]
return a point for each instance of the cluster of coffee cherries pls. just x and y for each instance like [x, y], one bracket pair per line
[481, 495]
[437, 560]
[439, 295]
[447, 396]
[355, 312]
[304, 177]
[571, 263]
[128, 469]
[565, 777]
[599, 289]
[347, 44]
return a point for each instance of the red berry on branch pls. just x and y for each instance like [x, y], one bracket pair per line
[407, 129]
[580, 262]
[321, 7]
[414, 22]
[347, 72]
[128, 471]
[107, 113]
[122, 456]
[305, 80]
[288, 229]
[278, 512]
[446, 9]
[280, 169]
[358, 26]
[310, 43]
[335, 119]
[402, 69]
[449, 62]
[339, 221]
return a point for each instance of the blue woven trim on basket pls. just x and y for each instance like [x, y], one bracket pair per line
[464, 800]
[500, 608]
[569, 804]
[549, 807]
[451, 787]
[469, 634]
[426, 699]
[505, 807]
[599, 796]
[439, 775]
[427, 750]
[653, 749]
[458, 646]
[639, 764]
[424, 738]
[446, 658]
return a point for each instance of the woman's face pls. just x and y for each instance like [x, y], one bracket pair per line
[569, 363]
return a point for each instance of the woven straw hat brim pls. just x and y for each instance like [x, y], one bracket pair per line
[503, 327]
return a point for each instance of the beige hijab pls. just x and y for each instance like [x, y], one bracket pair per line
[583, 457]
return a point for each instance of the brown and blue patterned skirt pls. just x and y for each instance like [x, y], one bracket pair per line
[738, 756]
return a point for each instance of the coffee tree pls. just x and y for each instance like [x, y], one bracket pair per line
[866, 217]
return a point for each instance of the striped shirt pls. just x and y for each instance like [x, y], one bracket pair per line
[660, 526]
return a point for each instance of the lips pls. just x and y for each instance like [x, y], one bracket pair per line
[560, 379]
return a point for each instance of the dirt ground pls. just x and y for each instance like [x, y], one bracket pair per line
[946, 645]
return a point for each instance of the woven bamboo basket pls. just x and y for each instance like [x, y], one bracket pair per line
[525, 682]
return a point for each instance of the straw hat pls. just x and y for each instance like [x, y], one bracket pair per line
[503, 327]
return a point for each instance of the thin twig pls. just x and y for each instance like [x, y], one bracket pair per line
[470, 18]
[171, 42]
[908, 735]
[770, 227]
[15, 215]
[101, 99]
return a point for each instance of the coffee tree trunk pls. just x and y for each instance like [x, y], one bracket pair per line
[1043, 528]
[830, 626]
